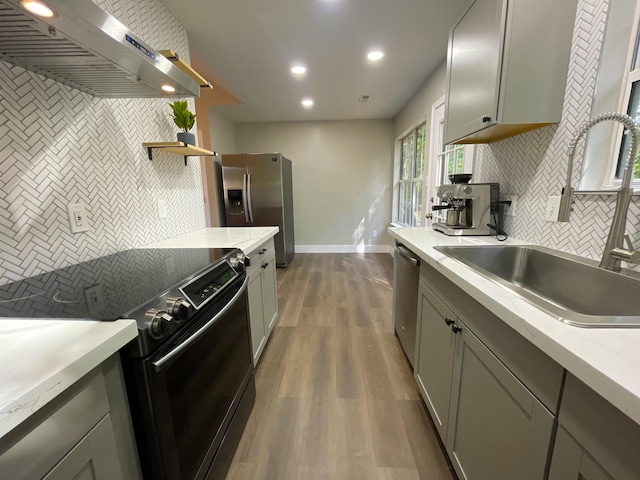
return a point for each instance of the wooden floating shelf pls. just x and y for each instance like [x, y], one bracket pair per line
[179, 148]
[186, 68]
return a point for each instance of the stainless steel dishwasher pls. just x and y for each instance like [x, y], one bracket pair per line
[406, 274]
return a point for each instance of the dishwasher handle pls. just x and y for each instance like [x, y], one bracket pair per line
[408, 254]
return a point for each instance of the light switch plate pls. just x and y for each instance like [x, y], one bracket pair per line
[552, 209]
[511, 210]
[162, 208]
[78, 218]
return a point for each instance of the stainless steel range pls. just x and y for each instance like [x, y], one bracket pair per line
[189, 373]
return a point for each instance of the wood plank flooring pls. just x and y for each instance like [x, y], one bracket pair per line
[336, 398]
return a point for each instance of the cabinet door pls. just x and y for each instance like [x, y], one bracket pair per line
[497, 429]
[256, 313]
[571, 462]
[434, 361]
[474, 62]
[269, 294]
[95, 457]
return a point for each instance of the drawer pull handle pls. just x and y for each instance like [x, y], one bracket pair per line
[262, 252]
[455, 328]
[265, 265]
[449, 321]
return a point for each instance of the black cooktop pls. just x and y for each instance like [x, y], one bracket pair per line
[107, 287]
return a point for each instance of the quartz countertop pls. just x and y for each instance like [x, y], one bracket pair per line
[39, 359]
[606, 359]
[244, 238]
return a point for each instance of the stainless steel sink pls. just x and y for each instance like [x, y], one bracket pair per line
[571, 288]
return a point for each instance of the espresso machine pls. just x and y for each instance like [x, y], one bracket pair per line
[470, 208]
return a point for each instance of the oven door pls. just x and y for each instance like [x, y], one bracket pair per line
[192, 386]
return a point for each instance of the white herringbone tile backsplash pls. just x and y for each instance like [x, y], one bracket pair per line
[533, 165]
[59, 146]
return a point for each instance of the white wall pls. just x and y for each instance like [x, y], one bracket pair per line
[223, 135]
[59, 145]
[341, 179]
[418, 108]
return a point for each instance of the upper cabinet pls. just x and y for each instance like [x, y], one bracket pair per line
[507, 68]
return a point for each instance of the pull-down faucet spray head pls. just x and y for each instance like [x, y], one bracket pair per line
[566, 200]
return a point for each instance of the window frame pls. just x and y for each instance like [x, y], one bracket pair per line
[437, 159]
[616, 72]
[415, 211]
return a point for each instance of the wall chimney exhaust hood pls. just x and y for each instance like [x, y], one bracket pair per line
[84, 47]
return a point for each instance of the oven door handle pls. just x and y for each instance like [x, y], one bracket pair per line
[165, 361]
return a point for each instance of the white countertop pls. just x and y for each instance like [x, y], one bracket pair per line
[606, 359]
[39, 359]
[244, 238]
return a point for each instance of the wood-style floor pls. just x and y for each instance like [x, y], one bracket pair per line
[335, 394]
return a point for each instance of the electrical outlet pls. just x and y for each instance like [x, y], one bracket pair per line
[511, 210]
[375, 234]
[552, 209]
[78, 218]
[162, 208]
[95, 300]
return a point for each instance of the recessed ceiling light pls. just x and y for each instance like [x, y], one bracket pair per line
[298, 69]
[38, 8]
[307, 102]
[168, 88]
[375, 55]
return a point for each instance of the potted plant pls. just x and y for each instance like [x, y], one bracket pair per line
[184, 119]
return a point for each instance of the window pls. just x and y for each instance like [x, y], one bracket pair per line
[445, 159]
[411, 182]
[617, 90]
[632, 100]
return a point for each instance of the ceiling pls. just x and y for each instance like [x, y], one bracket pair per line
[252, 44]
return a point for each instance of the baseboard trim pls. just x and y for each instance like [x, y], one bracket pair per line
[344, 249]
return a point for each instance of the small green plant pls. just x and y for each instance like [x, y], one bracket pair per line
[182, 117]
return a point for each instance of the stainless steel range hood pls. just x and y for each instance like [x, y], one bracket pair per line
[86, 48]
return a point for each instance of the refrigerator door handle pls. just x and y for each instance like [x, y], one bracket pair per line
[249, 203]
[245, 200]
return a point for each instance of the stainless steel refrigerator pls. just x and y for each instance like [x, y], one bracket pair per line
[258, 192]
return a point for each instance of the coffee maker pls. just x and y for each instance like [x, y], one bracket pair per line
[470, 208]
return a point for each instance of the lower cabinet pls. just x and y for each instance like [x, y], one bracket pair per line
[497, 428]
[434, 362]
[595, 440]
[263, 296]
[492, 425]
[92, 458]
[84, 433]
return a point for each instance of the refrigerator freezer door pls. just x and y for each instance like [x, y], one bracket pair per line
[266, 195]
[234, 175]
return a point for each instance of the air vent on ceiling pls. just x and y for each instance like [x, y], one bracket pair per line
[364, 98]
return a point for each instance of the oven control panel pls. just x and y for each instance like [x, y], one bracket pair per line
[205, 287]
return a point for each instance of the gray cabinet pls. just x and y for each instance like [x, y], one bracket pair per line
[434, 358]
[263, 296]
[490, 393]
[84, 433]
[497, 428]
[92, 458]
[269, 292]
[595, 440]
[504, 76]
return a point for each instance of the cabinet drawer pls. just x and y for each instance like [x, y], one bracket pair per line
[53, 431]
[260, 254]
[535, 369]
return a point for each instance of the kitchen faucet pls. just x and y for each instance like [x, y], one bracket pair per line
[614, 250]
